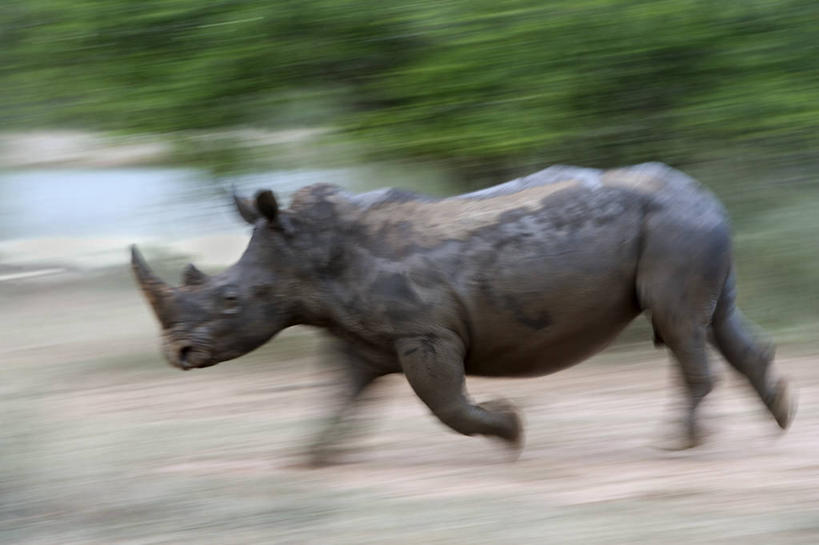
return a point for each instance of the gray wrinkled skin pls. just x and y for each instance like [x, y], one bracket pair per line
[521, 279]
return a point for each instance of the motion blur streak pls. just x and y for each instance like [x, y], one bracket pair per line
[129, 120]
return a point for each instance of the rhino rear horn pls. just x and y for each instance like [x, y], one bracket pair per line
[192, 276]
[158, 293]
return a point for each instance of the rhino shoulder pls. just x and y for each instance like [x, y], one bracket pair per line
[311, 195]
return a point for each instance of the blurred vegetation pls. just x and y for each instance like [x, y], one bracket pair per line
[488, 89]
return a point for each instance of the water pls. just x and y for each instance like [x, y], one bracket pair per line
[170, 203]
[87, 217]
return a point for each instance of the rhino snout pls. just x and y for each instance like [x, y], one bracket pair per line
[187, 355]
[183, 355]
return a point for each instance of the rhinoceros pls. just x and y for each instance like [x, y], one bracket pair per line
[521, 279]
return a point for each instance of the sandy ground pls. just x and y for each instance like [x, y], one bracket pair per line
[102, 443]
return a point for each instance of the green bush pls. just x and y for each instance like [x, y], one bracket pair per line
[486, 88]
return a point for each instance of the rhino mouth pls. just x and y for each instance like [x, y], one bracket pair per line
[189, 357]
[184, 354]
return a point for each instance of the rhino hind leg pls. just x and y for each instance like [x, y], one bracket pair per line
[435, 370]
[689, 350]
[734, 338]
[680, 276]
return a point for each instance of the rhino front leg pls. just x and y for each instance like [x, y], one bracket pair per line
[356, 378]
[435, 370]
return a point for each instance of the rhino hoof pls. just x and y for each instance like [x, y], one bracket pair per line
[513, 436]
[680, 443]
[783, 406]
[690, 437]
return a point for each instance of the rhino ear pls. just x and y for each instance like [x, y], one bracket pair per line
[192, 276]
[246, 209]
[267, 206]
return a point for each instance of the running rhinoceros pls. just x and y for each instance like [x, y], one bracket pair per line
[522, 279]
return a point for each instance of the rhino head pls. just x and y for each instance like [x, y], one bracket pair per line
[210, 319]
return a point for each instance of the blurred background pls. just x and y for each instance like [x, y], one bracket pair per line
[129, 120]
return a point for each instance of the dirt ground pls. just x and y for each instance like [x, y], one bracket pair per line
[103, 443]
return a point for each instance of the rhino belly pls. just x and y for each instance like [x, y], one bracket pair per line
[506, 347]
[547, 290]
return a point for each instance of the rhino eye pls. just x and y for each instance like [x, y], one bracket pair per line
[230, 302]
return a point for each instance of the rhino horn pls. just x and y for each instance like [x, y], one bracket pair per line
[158, 293]
[192, 276]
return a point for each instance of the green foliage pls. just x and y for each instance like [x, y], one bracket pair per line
[488, 88]
[602, 81]
[167, 65]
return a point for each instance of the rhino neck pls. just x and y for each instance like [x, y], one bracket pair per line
[311, 311]
[345, 304]
[338, 261]
[322, 303]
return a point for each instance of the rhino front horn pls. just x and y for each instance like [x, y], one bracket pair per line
[158, 293]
